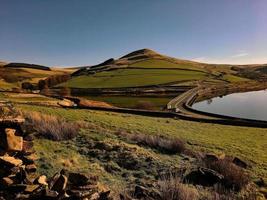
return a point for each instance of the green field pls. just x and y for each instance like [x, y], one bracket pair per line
[234, 79]
[159, 63]
[132, 78]
[247, 143]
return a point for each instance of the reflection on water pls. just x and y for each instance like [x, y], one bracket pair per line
[250, 105]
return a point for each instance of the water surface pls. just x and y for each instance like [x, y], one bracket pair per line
[249, 105]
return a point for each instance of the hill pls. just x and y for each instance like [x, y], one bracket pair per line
[146, 67]
[25, 65]
[13, 74]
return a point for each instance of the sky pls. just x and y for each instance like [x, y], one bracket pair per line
[85, 32]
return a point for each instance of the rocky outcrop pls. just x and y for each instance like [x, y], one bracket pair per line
[203, 176]
[19, 178]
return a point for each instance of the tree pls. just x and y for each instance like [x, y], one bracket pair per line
[65, 91]
[46, 91]
[27, 86]
[42, 84]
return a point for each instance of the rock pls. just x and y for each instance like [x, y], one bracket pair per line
[209, 157]
[14, 143]
[60, 184]
[141, 192]
[31, 168]
[104, 195]
[240, 163]
[27, 147]
[31, 188]
[31, 178]
[9, 161]
[204, 177]
[77, 194]
[53, 180]
[6, 181]
[50, 194]
[9, 141]
[85, 188]
[66, 103]
[17, 188]
[29, 159]
[94, 196]
[78, 179]
[41, 180]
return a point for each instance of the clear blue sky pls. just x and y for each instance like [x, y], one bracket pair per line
[83, 32]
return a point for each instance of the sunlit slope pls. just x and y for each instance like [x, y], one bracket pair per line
[145, 68]
[11, 77]
[133, 78]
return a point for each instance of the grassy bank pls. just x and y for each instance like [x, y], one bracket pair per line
[247, 143]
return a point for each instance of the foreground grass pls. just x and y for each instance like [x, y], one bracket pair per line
[247, 143]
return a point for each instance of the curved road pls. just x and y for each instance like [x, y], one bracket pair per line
[178, 105]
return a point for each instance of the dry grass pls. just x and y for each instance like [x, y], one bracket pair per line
[7, 111]
[171, 188]
[161, 143]
[235, 178]
[52, 127]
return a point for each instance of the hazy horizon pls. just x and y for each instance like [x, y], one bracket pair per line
[67, 33]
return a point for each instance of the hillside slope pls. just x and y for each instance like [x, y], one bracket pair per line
[146, 68]
[13, 74]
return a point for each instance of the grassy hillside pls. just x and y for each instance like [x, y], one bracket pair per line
[146, 67]
[247, 143]
[132, 78]
[13, 77]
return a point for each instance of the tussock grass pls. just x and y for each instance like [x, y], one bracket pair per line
[52, 127]
[164, 144]
[235, 178]
[171, 188]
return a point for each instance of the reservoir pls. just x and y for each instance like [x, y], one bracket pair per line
[248, 105]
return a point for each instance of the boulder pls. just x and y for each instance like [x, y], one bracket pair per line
[9, 141]
[141, 192]
[66, 103]
[209, 157]
[6, 181]
[60, 184]
[27, 147]
[240, 163]
[14, 143]
[41, 180]
[9, 161]
[31, 188]
[204, 177]
[31, 168]
[78, 179]
[50, 194]
[78, 194]
[16, 188]
[29, 159]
